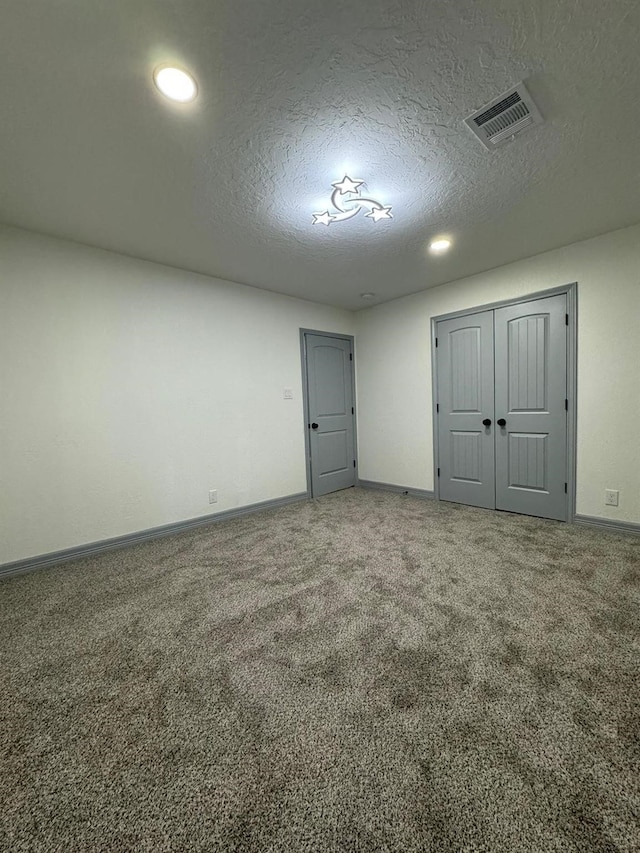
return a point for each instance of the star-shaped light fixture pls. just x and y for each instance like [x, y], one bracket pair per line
[347, 208]
[347, 185]
[325, 218]
[378, 213]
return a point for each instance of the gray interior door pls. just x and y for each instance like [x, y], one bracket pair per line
[465, 409]
[502, 408]
[330, 411]
[530, 408]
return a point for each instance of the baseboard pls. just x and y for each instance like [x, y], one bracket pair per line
[400, 490]
[93, 548]
[607, 524]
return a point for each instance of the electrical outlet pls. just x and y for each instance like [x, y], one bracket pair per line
[213, 496]
[611, 497]
[288, 394]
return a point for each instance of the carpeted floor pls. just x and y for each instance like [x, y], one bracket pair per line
[366, 672]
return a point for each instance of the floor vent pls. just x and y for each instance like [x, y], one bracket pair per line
[504, 117]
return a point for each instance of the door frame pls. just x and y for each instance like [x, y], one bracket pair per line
[571, 291]
[305, 397]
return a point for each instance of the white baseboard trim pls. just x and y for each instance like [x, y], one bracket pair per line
[400, 490]
[607, 524]
[56, 557]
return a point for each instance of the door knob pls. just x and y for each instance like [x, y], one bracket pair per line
[314, 426]
[487, 422]
[501, 422]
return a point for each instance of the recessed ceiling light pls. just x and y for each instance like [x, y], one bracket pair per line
[440, 245]
[176, 84]
[367, 296]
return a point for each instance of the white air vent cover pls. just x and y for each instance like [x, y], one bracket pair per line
[501, 119]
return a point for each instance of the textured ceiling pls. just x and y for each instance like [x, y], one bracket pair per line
[293, 94]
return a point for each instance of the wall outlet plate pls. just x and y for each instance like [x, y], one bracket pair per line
[288, 394]
[213, 496]
[611, 497]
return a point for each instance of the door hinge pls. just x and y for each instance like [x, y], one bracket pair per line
[566, 319]
[436, 342]
[437, 407]
[352, 410]
[354, 463]
[350, 356]
[565, 488]
[438, 472]
[566, 405]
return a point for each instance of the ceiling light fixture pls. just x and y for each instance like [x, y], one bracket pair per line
[367, 296]
[440, 245]
[174, 83]
[347, 203]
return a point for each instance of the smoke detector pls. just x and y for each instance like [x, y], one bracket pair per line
[504, 117]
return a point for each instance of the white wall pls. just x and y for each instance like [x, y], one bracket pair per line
[395, 438]
[129, 389]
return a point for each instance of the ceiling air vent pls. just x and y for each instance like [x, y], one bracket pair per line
[504, 117]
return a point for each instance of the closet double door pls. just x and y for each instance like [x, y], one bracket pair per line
[502, 408]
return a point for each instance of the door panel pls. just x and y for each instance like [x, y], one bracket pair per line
[464, 347]
[333, 451]
[530, 391]
[329, 387]
[466, 453]
[528, 339]
[330, 402]
[528, 461]
[465, 383]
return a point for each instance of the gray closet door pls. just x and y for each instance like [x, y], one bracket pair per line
[465, 399]
[330, 402]
[531, 387]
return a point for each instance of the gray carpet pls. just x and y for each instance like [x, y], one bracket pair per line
[367, 672]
